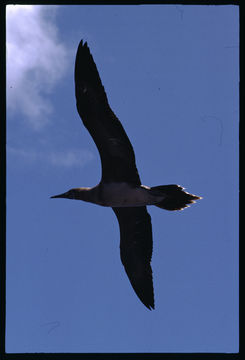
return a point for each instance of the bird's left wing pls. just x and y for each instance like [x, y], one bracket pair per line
[116, 152]
[136, 250]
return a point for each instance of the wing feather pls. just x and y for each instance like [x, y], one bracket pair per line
[136, 250]
[116, 151]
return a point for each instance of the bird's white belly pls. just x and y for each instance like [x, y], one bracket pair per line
[123, 195]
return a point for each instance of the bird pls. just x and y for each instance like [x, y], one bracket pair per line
[120, 186]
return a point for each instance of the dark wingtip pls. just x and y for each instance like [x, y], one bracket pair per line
[150, 306]
[83, 44]
[148, 301]
[80, 44]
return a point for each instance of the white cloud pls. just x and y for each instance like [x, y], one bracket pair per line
[29, 156]
[36, 60]
[69, 158]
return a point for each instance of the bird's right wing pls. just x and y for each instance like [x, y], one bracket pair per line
[136, 250]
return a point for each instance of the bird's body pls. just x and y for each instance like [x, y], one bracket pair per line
[120, 187]
[114, 194]
[126, 195]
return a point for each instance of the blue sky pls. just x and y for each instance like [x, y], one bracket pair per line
[171, 74]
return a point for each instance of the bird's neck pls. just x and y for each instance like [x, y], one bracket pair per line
[85, 194]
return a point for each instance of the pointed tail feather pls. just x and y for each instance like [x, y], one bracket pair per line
[175, 197]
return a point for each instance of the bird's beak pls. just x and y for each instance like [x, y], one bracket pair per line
[59, 196]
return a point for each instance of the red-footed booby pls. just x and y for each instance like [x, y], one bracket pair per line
[120, 187]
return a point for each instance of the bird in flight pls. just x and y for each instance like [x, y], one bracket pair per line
[120, 187]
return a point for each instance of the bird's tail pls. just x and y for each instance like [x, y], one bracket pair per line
[175, 197]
